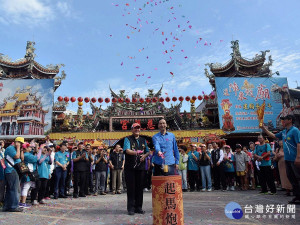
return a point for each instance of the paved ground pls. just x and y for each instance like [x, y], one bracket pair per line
[199, 208]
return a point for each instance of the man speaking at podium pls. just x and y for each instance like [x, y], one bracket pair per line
[166, 154]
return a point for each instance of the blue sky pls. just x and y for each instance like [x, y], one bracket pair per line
[92, 39]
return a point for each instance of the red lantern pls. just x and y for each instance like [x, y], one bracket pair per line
[100, 100]
[127, 100]
[194, 98]
[107, 100]
[73, 99]
[174, 99]
[168, 99]
[212, 97]
[181, 98]
[66, 99]
[206, 97]
[161, 99]
[154, 99]
[200, 97]
[86, 99]
[93, 100]
[142, 100]
[114, 100]
[187, 98]
[60, 99]
[134, 100]
[148, 100]
[80, 99]
[120, 100]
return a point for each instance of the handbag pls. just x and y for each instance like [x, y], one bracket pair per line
[34, 175]
[21, 168]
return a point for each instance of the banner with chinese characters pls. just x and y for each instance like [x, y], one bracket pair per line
[26, 108]
[167, 200]
[239, 100]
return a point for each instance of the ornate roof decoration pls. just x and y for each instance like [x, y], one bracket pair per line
[239, 66]
[28, 68]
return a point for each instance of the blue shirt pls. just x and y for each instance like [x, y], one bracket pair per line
[31, 161]
[192, 163]
[60, 157]
[290, 140]
[228, 166]
[9, 154]
[261, 149]
[166, 144]
[43, 168]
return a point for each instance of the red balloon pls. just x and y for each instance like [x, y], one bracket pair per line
[187, 98]
[168, 99]
[120, 100]
[127, 100]
[200, 97]
[73, 99]
[93, 100]
[181, 98]
[206, 97]
[80, 99]
[86, 99]
[60, 98]
[107, 100]
[134, 100]
[194, 98]
[161, 99]
[212, 97]
[100, 100]
[142, 100]
[154, 99]
[114, 100]
[148, 99]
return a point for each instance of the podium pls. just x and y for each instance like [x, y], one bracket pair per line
[167, 200]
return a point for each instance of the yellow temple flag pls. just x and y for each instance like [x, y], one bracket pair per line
[261, 114]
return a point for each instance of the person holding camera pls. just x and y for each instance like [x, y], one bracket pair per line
[61, 163]
[12, 195]
[80, 167]
[26, 183]
[101, 161]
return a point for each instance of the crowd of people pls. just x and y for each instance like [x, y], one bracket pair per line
[59, 171]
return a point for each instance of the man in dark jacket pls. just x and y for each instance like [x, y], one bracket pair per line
[116, 161]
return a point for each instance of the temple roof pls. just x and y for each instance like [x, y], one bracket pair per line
[239, 66]
[28, 68]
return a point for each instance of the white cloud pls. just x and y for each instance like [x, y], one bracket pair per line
[64, 7]
[30, 12]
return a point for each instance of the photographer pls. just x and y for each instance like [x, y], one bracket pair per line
[12, 195]
[80, 160]
[100, 169]
[31, 161]
[61, 163]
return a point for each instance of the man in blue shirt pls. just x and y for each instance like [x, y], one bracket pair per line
[262, 154]
[291, 148]
[166, 151]
[12, 155]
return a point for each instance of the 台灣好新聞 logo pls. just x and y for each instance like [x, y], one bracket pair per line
[233, 211]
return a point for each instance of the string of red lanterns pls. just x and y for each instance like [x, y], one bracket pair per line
[134, 100]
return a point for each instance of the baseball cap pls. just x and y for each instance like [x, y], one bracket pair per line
[194, 145]
[20, 139]
[135, 125]
[226, 146]
[25, 145]
[51, 145]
